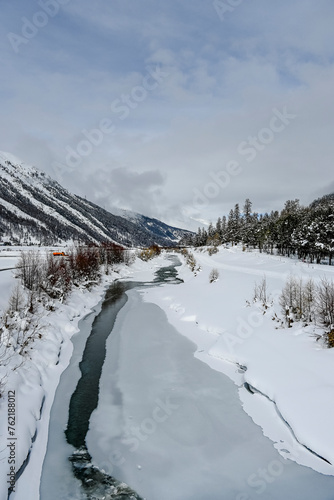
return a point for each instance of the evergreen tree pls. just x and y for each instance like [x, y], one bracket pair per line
[287, 224]
[247, 226]
[230, 228]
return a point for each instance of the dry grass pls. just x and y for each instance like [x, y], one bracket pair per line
[330, 339]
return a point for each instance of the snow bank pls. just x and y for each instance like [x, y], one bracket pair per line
[289, 371]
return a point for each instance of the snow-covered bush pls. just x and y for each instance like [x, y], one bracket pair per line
[308, 302]
[288, 301]
[298, 300]
[190, 259]
[57, 282]
[128, 257]
[19, 328]
[213, 250]
[214, 275]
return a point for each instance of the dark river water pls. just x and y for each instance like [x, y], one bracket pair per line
[85, 398]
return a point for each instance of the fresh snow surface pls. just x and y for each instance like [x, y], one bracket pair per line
[174, 429]
[291, 369]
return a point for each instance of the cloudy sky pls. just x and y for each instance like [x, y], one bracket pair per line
[175, 109]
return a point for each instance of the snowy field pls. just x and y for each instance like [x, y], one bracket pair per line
[8, 260]
[9, 257]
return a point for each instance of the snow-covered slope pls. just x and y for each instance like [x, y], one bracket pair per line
[155, 226]
[34, 208]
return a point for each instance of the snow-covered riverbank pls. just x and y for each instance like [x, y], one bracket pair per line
[292, 371]
[35, 378]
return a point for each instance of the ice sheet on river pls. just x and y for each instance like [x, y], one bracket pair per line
[174, 429]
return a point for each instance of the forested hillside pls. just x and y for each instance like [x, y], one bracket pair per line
[307, 232]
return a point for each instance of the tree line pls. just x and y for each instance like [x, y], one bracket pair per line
[307, 232]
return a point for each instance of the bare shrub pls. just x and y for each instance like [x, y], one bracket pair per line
[16, 299]
[145, 254]
[329, 337]
[149, 253]
[29, 333]
[57, 281]
[309, 295]
[156, 249]
[298, 299]
[260, 293]
[4, 337]
[29, 269]
[191, 261]
[110, 254]
[288, 300]
[84, 264]
[325, 302]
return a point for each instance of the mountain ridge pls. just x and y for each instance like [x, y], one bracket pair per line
[35, 208]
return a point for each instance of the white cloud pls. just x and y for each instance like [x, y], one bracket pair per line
[224, 79]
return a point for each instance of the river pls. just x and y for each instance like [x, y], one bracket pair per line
[144, 410]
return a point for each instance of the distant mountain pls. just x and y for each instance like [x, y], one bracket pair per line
[34, 208]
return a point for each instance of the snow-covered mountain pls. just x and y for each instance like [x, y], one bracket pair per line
[34, 208]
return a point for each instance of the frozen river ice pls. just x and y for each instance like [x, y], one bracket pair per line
[174, 429]
[167, 424]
